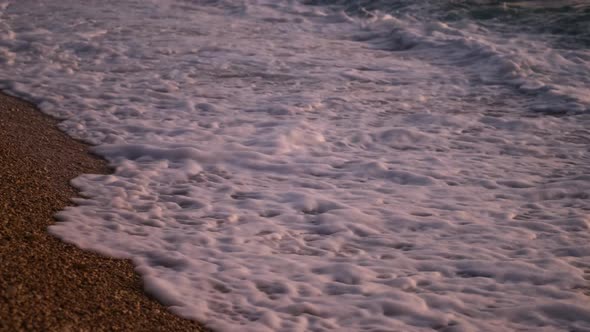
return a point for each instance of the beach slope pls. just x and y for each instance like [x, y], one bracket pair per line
[45, 284]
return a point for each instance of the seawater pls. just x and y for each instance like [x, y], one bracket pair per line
[323, 166]
[538, 47]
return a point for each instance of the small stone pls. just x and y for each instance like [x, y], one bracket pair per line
[12, 291]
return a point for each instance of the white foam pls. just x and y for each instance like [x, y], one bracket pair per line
[272, 174]
[558, 78]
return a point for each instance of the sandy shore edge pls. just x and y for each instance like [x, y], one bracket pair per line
[45, 284]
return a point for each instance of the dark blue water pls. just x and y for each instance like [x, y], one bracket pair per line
[566, 23]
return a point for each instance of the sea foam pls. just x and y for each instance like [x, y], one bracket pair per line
[277, 167]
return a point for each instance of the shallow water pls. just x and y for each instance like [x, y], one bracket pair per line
[293, 167]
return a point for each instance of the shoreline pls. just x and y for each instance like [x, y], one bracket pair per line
[46, 284]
